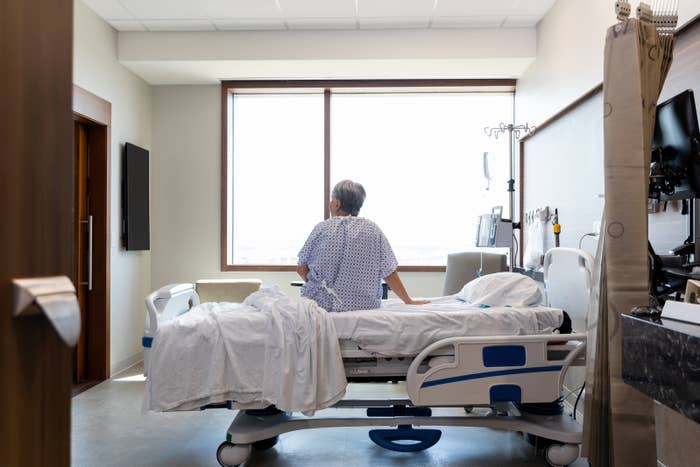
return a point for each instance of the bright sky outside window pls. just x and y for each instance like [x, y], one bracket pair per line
[277, 175]
[420, 158]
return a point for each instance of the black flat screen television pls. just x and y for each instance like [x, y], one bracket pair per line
[675, 171]
[135, 199]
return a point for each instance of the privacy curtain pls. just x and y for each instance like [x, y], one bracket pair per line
[619, 421]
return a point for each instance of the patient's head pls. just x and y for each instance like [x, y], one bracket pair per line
[347, 196]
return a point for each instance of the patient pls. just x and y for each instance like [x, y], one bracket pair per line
[345, 257]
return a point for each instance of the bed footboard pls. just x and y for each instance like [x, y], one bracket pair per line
[486, 370]
[162, 305]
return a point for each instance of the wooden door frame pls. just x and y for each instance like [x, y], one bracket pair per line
[96, 113]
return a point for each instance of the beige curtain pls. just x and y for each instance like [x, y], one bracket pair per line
[618, 420]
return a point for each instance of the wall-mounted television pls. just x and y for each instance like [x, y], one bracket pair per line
[135, 199]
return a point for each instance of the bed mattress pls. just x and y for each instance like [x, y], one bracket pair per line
[397, 329]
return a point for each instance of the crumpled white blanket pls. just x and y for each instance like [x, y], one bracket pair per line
[277, 350]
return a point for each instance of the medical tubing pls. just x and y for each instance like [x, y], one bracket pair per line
[583, 388]
[573, 391]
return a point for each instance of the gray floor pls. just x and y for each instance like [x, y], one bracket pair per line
[110, 430]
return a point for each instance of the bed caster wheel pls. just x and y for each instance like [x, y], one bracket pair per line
[468, 408]
[264, 444]
[232, 455]
[559, 455]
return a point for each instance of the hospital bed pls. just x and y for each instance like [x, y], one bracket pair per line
[516, 379]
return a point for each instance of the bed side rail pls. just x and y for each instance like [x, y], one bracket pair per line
[162, 305]
[486, 370]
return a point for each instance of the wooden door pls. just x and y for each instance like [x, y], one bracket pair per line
[92, 116]
[83, 247]
[36, 230]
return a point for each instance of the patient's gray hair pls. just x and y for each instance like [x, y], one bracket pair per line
[351, 196]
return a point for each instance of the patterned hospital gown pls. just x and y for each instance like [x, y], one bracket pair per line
[347, 259]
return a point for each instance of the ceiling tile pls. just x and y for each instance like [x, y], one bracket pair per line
[465, 8]
[165, 9]
[249, 24]
[521, 21]
[534, 7]
[321, 23]
[243, 9]
[127, 25]
[394, 8]
[318, 8]
[109, 9]
[179, 25]
[394, 23]
[452, 22]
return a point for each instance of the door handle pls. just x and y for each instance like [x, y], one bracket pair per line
[90, 252]
[54, 297]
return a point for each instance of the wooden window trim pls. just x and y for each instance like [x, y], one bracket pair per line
[228, 87]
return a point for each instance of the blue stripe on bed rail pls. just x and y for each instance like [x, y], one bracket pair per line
[490, 374]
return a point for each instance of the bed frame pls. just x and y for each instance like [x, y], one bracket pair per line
[516, 379]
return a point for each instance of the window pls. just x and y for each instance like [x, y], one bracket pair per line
[277, 174]
[419, 154]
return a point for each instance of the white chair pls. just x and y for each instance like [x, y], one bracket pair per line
[462, 268]
[226, 290]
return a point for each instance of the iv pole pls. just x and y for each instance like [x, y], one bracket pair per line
[514, 131]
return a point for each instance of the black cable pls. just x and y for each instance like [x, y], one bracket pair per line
[583, 386]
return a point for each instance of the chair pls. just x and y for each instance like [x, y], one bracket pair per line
[462, 268]
[226, 290]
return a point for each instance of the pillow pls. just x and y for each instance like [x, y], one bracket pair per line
[502, 289]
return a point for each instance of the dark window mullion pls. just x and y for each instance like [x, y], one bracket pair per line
[326, 151]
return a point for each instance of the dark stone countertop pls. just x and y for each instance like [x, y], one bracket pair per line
[661, 358]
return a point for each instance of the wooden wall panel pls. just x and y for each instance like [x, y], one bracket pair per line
[36, 232]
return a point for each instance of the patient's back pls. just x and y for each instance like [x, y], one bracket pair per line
[347, 259]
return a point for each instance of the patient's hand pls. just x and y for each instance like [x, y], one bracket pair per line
[417, 302]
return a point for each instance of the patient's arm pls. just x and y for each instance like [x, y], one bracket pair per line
[397, 287]
[303, 271]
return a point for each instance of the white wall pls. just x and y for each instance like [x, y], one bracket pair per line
[185, 194]
[570, 42]
[95, 68]
[207, 57]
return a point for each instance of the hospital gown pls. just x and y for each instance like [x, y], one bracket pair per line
[347, 258]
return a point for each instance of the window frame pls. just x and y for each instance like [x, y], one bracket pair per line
[228, 88]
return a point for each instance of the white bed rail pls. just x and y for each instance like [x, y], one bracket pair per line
[485, 370]
[162, 305]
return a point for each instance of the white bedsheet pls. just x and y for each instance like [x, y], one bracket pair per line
[278, 351]
[404, 330]
[285, 351]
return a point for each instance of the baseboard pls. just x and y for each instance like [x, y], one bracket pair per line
[122, 365]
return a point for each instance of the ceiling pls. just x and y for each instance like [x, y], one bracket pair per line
[247, 15]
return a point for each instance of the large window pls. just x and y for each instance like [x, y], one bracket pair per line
[277, 175]
[418, 152]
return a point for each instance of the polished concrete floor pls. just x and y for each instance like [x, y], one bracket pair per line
[109, 429]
